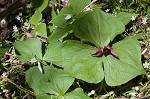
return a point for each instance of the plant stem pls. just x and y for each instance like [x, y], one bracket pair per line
[101, 86]
[19, 87]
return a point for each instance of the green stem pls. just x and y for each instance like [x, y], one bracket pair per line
[19, 87]
[101, 86]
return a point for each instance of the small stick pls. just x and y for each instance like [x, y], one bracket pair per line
[90, 4]
[144, 51]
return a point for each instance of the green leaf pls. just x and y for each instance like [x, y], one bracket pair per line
[75, 7]
[40, 30]
[58, 33]
[57, 81]
[128, 66]
[44, 96]
[78, 5]
[26, 49]
[60, 20]
[4, 49]
[98, 27]
[76, 94]
[76, 59]
[33, 77]
[125, 17]
[40, 4]
[36, 17]
[54, 53]
[53, 81]
[79, 63]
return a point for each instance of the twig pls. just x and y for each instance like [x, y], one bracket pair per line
[144, 51]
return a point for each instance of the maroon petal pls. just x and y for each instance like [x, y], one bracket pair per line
[104, 49]
[99, 52]
[112, 52]
[30, 35]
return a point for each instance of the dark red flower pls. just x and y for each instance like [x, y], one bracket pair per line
[104, 49]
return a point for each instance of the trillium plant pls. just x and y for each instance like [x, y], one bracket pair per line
[94, 55]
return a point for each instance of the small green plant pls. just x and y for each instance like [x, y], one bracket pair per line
[92, 56]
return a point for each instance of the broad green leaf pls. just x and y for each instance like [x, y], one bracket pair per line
[98, 27]
[78, 5]
[28, 49]
[60, 20]
[44, 96]
[76, 94]
[33, 77]
[40, 4]
[4, 49]
[58, 33]
[125, 17]
[77, 60]
[57, 81]
[75, 7]
[128, 66]
[53, 81]
[40, 30]
[36, 17]
[54, 53]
